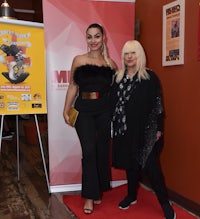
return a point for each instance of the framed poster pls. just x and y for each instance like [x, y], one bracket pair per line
[173, 33]
[22, 68]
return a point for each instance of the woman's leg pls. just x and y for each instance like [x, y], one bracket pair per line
[153, 171]
[86, 130]
[133, 180]
[131, 198]
[103, 150]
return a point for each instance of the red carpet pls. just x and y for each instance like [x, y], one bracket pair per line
[147, 206]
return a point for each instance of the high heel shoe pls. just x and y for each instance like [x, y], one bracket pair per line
[88, 207]
[97, 202]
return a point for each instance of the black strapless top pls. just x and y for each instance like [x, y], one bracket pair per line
[93, 78]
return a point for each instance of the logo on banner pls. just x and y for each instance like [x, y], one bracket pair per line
[13, 106]
[60, 79]
[36, 105]
[14, 57]
[2, 105]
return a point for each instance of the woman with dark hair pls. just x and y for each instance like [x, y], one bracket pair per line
[91, 78]
[138, 125]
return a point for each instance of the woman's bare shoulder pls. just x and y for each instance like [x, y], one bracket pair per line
[80, 59]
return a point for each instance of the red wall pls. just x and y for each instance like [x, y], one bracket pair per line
[180, 158]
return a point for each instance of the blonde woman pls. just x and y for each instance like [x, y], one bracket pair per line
[138, 125]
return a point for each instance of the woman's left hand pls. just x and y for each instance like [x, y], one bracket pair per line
[158, 135]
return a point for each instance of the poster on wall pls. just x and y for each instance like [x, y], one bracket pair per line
[65, 40]
[22, 68]
[173, 33]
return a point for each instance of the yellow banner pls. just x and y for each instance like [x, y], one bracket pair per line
[22, 68]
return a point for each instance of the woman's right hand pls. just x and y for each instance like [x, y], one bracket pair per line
[66, 117]
[71, 94]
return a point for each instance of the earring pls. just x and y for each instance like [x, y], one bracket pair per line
[103, 46]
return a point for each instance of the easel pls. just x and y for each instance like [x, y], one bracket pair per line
[17, 136]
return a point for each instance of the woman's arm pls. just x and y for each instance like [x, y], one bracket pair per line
[71, 92]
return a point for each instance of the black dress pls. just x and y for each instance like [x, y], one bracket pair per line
[144, 118]
[137, 149]
[93, 128]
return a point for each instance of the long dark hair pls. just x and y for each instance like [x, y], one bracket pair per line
[95, 25]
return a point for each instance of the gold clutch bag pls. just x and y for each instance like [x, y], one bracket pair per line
[73, 114]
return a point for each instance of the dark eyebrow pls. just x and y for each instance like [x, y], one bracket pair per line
[94, 35]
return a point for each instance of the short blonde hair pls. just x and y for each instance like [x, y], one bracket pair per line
[130, 46]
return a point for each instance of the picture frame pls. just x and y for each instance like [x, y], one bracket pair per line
[173, 33]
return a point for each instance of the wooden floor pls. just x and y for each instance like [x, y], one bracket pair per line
[28, 197]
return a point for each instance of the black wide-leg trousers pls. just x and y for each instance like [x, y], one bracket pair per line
[93, 130]
[153, 171]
